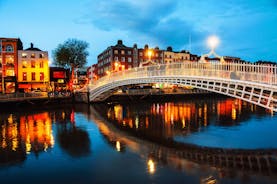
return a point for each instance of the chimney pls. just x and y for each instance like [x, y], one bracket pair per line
[119, 42]
[32, 45]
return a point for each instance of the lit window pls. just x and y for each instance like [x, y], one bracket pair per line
[10, 73]
[41, 64]
[140, 53]
[115, 51]
[33, 76]
[33, 64]
[122, 52]
[24, 64]
[33, 55]
[24, 55]
[24, 76]
[41, 55]
[41, 76]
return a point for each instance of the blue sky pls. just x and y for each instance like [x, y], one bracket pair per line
[246, 28]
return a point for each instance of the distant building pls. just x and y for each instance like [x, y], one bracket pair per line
[8, 63]
[120, 57]
[171, 57]
[92, 72]
[115, 58]
[33, 69]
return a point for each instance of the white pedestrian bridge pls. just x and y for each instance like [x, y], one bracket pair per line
[253, 83]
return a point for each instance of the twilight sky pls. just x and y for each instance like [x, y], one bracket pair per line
[246, 28]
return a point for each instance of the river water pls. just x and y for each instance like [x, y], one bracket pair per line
[203, 140]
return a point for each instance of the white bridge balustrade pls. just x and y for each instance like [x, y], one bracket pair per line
[253, 83]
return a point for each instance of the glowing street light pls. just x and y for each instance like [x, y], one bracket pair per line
[149, 53]
[213, 42]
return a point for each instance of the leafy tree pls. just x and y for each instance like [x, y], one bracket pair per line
[71, 54]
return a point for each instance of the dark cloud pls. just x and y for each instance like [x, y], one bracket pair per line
[153, 20]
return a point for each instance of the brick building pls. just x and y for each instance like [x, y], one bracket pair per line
[9, 63]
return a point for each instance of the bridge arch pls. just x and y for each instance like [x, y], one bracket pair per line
[252, 83]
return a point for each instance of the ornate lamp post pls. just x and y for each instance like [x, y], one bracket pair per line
[212, 42]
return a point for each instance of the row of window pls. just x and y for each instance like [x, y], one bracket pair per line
[33, 55]
[123, 59]
[33, 64]
[9, 48]
[33, 76]
[122, 52]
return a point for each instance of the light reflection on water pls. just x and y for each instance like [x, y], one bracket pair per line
[140, 143]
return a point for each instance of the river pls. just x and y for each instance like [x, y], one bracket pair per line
[199, 140]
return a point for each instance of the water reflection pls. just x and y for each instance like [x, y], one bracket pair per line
[149, 129]
[24, 133]
[169, 119]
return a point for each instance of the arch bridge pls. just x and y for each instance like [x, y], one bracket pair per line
[253, 83]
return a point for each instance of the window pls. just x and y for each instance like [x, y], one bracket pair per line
[122, 52]
[9, 48]
[129, 59]
[116, 58]
[33, 76]
[123, 59]
[24, 76]
[41, 55]
[41, 64]
[24, 55]
[41, 76]
[10, 61]
[129, 52]
[10, 72]
[115, 51]
[33, 55]
[140, 53]
[33, 64]
[24, 64]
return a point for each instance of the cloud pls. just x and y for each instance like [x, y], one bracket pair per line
[166, 23]
[153, 20]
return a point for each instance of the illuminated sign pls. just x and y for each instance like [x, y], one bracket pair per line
[59, 74]
[60, 81]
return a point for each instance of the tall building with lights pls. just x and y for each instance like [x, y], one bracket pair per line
[120, 57]
[33, 69]
[115, 58]
[9, 48]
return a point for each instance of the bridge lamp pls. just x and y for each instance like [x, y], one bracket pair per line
[213, 42]
[149, 53]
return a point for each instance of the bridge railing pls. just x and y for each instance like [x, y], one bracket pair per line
[266, 74]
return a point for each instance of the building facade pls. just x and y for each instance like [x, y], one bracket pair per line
[115, 58]
[33, 70]
[171, 57]
[9, 48]
[60, 79]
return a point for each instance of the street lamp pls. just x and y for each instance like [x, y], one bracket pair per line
[149, 53]
[213, 42]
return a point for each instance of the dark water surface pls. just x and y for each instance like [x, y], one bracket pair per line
[205, 140]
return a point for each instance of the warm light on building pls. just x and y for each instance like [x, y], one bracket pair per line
[33, 69]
